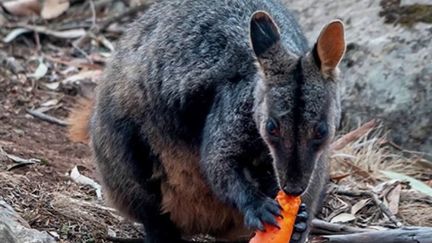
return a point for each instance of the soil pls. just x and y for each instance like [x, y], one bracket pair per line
[36, 191]
[44, 194]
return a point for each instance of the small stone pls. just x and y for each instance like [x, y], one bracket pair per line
[14, 229]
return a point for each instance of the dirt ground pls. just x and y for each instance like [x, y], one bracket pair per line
[34, 190]
[42, 72]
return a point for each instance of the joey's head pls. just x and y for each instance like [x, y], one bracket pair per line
[297, 106]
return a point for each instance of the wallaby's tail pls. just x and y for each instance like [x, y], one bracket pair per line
[79, 121]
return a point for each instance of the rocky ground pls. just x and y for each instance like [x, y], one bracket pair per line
[47, 192]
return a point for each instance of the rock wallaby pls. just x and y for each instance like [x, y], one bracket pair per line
[208, 108]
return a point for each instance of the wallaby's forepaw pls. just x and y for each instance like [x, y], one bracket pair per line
[300, 226]
[262, 212]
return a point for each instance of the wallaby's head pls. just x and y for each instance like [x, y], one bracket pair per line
[297, 106]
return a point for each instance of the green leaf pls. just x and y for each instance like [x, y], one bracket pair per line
[416, 184]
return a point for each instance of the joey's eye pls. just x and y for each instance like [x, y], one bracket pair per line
[272, 127]
[321, 131]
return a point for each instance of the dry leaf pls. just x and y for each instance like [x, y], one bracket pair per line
[393, 198]
[106, 43]
[52, 86]
[84, 180]
[53, 8]
[384, 188]
[22, 7]
[359, 205]
[414, 183]
[14, 34]
[52, 102]
[343, 218]
[40, 71]
[339, 177]
[92, 75]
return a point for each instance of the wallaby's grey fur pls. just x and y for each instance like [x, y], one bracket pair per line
[207, 109]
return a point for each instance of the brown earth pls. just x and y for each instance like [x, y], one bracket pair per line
[35, 191]
[45, 196]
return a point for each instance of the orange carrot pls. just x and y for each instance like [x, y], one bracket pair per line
[290, 206]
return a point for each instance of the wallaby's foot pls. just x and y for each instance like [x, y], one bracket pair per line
[300, 226]
[262, 211]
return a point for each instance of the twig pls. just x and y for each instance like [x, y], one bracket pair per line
[93, 11]
[19, 162]
[320, 227]
[359, 171]
[16, 166]
[47, 118]
[37, 40]
[128, 12]
[65, 34]
[353, 135]
[402, 235]
[385, 210]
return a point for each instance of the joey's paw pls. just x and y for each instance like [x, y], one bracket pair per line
[300, 226]
[262, 212]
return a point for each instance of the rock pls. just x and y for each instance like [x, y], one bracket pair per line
[14, 229]
[10, 63]
[411, 2]
[387, 71]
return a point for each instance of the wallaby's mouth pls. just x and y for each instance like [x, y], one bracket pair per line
[295, 188]
[296, 183]
[295, 191]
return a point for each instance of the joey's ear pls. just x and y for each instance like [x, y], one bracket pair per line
[264, 33]
[330, 47]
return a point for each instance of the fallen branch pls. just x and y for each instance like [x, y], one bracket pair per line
[47, 118]
[384, 209]
[19, 162]
[321, 227]
[25, 28]
[402, 235]
[353, 135]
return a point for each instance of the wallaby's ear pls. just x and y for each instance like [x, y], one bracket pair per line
[264, 33]
[330, 47]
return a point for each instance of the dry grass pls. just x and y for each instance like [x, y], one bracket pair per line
[357, 168]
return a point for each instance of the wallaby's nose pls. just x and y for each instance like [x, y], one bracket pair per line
[294, 190]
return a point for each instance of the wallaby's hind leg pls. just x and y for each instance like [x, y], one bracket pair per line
[141, 206]
[127, 166]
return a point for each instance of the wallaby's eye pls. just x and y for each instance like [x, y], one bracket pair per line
[321, 131]
[272, 127]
